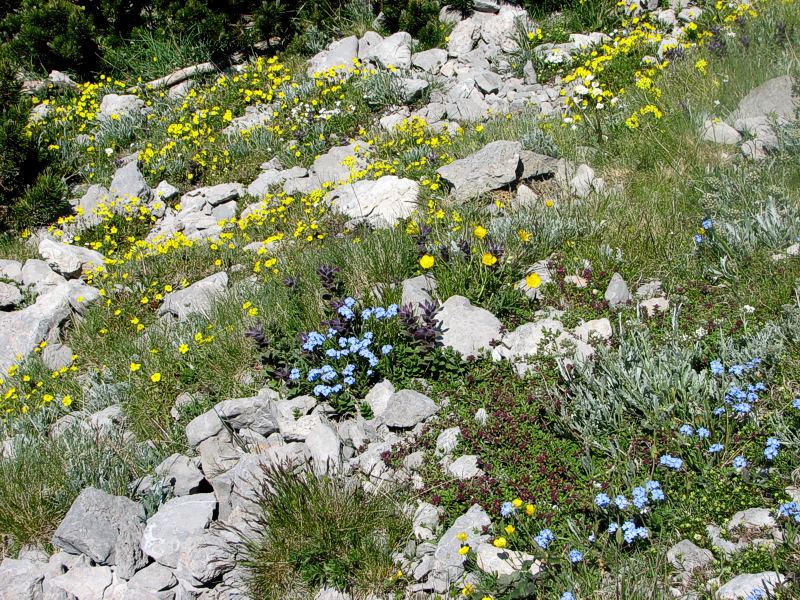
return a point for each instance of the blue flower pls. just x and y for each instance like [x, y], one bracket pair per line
[714, 448]
[742, 408]
[771, 448]
[621, 502]
[719, 411]
[294, 374]
[380, 312]
[349, 302]
[506, 509]
[740, 462]
[592, 538]
[672, 462]
[703, 433]
[366, 314]
[686, 430]
[349, 380]
[796, 403]
[698, 239]
[707, 224]
[717, 368]
[386, 348]
[612, 527]
[346, 312]
[756, 594]
[544, 538]
[639, 497]
[575, 556]
[737, 370]
[602, 500]
[629, 531]
[313, 340]
[567, 596]
[391, 311]
[790, 510]
[657, 495]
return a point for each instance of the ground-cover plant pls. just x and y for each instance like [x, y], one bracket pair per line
[312, 531]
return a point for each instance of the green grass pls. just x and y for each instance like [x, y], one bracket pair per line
[39, 484]
[322, 531]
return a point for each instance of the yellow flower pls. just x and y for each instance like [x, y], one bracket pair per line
[427, 261]
[66, 400]
[480, 232]
[488, 259]
[524, 235]
[530, 510]
[516, 503]
[533, 281]
[467, 590]
[155, 377]
[463, 550]
[549, 203]
[510, 529]
[183, 348]
[500, 542]
[135, 367]
[462, 537]
[701, 65]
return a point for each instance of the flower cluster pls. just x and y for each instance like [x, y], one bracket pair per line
[790, 510]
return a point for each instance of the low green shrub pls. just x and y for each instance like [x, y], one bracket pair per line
[56, 34]
[30, 193]
[321, 531]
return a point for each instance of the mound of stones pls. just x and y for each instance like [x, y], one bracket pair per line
[38, 298]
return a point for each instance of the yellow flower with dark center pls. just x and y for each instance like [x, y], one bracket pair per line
[489, 259]
[427, 261]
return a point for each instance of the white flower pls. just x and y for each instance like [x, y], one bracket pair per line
[581, 90]
[109, 151]
[749, 309]
[700, 332]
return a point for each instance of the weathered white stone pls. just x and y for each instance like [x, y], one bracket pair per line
[686, 556]
[745, 584]
[406, 408]
[21, 579]
[69, 260]
[325, 447]
[173, 523]
[495, 561]
[380, 202]
[105, 528]
[10, 296]
[465, 467]
[467, 329]
[470, 523]
[394, 51]
[120, 106]
[339, 53]
[493, 167]
[198, 298]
